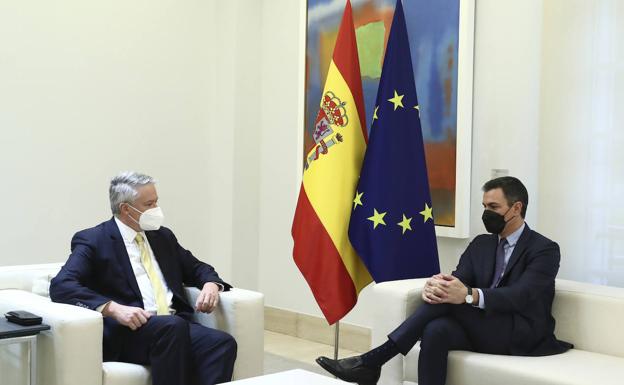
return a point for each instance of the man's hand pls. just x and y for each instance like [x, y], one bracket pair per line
[444, 288]
[434, 291]
[208, 298]
[455, 289]
[130, 316]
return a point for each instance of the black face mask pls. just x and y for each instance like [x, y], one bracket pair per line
[493, 221]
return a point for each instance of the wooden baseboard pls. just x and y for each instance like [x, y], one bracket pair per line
[352, 337]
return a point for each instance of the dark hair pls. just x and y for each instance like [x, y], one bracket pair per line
[513, 190]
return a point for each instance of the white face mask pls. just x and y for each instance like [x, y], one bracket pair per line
[150, 219]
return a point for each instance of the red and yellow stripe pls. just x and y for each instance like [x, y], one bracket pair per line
[322, 249]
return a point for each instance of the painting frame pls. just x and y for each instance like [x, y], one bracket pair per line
[463, 153]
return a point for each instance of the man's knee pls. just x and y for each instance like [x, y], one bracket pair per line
[443, 334]
[437, 331]
[205, 340]
[230, 346]
[173, 326]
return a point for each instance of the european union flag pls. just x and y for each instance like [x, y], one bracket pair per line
[391, 224]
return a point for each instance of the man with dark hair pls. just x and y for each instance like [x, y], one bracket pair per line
[513, 190]
[497, 301]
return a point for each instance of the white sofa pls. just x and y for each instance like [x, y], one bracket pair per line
[589, 316]
[71, 352]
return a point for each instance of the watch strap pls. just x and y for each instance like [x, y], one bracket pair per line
[470, 292]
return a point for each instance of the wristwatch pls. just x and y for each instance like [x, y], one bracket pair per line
[469, 298]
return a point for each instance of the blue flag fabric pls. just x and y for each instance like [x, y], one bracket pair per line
[391, 224]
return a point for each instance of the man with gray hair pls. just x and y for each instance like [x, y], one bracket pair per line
[133, 271]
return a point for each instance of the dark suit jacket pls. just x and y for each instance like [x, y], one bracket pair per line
[526, 290]
[98, 270]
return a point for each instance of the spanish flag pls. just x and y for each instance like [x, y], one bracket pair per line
[322, 249]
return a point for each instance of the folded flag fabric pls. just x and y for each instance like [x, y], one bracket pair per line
[322, 250]
[392, 226]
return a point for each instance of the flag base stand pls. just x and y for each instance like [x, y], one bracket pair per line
[336, 339]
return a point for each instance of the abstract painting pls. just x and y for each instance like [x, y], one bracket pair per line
[441, 34]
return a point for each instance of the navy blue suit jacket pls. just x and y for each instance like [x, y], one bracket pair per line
[98, 271]
[526, 290]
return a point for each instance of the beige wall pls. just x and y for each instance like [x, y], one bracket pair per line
[91, 88]
[581, 137]
[167, 88]
[206, 96]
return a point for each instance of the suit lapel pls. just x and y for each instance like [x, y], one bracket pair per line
[121, 255]
[522, 244]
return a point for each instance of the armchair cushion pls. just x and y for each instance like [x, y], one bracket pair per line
[122, 373]
[574, 367]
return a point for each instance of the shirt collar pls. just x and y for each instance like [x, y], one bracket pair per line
[512, 239]
[127, 233]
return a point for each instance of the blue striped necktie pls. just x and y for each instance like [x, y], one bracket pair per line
[499, 269]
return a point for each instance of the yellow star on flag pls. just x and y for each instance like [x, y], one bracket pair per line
[397, 100]
[426, 213]
[357, 200]
[377, 219]
[417, 108]
[375, 117]
[405, 224]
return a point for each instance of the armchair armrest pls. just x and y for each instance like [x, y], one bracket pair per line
[399, 299]
[70, 353]
[240, 313]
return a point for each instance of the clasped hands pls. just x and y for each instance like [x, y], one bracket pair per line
[444, 288]
[134, 317]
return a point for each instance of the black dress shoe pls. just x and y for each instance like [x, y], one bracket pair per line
[351, 369]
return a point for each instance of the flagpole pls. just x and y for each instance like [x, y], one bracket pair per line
[336, 339]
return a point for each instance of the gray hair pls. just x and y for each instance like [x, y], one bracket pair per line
[123, 188]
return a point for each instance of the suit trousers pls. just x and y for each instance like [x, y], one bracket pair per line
[181, 352]
[444, 327]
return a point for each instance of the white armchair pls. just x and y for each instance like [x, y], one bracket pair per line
[70, 353]
[589, 316]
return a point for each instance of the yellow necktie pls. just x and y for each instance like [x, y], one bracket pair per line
[157, 286]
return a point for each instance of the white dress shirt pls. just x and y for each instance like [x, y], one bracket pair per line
[145, 285]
